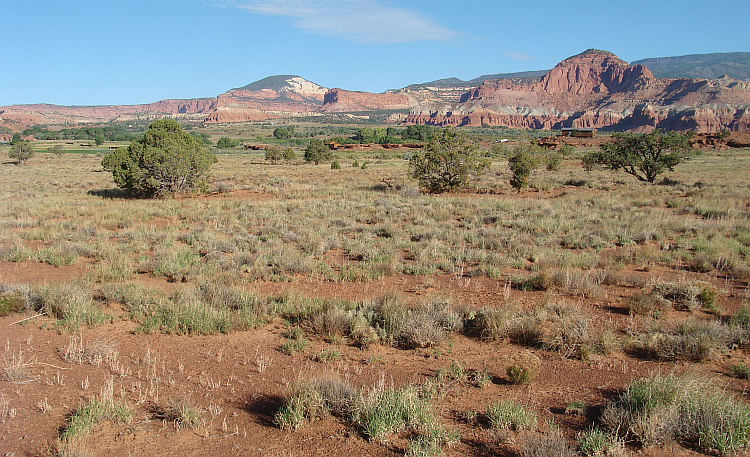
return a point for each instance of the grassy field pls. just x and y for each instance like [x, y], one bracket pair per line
[453, 315]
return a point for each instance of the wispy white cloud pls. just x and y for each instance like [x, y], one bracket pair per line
[518, 56]
[365, 21]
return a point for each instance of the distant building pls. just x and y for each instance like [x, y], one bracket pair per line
[578, 133]
[332, 145]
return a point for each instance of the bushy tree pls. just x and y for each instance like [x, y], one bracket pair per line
[418, 132]
[283, 133]
[166, 161]
[524, 158]
[317, 151]
[288, 154]
[227, 143]
[274, 153]
[99, 139]
[21, 151]
[56, 150]
[644, 156]
[447, 162]
[522, 162]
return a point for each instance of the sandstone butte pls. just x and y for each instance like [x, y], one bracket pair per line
[594, 89]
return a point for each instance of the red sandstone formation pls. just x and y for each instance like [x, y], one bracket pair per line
[596, 89]
[339, 100]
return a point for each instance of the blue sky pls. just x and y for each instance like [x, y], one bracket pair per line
[97, 52]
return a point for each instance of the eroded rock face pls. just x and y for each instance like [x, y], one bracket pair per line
[596, 89]
[275, 96]
[226, 115]
[338, 100]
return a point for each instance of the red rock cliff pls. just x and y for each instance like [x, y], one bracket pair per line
[337, 100]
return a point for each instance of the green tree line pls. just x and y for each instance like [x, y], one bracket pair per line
[109, 133]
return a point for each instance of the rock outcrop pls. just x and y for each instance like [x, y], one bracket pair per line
[595, 89]
[275, 96]
[339, 100]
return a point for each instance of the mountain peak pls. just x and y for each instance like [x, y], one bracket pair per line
[595, 72]
[593, 51]
[284, 83]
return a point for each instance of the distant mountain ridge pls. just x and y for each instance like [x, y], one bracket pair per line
[591, 89]
[707, 66]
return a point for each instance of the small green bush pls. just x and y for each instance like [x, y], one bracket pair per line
[379, 411]
[595, 442]
[522, 162]
[72, 304]
[509, 415]
[11, 302]
[739, 370]
[91, 413]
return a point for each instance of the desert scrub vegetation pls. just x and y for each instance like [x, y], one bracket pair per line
[549, 325]
[180, 412]
[655, 299]
[522, 367]
[690, 340]
[509, 415]
[102, 407]
[567, 236]
[386, 319]
[595, 442]
[206, 308]
[690, 410]
[72, 304]
[377, 411]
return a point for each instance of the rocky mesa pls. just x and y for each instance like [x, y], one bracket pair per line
[596, 89]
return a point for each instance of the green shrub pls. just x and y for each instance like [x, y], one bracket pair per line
[692, 341]
[553, 160]
[101, 408]
[646, 304]
[534, 281]
[379, 411]
[166, 161]
[739, 370]
[335, 165]
[72, 304]
[509, 415]
[595, 442]
[317, 151]
[427, 325]
[644, 156]
[227, 143]
[447, 162]
[11, 302]
[662, 408]
[21, 151]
